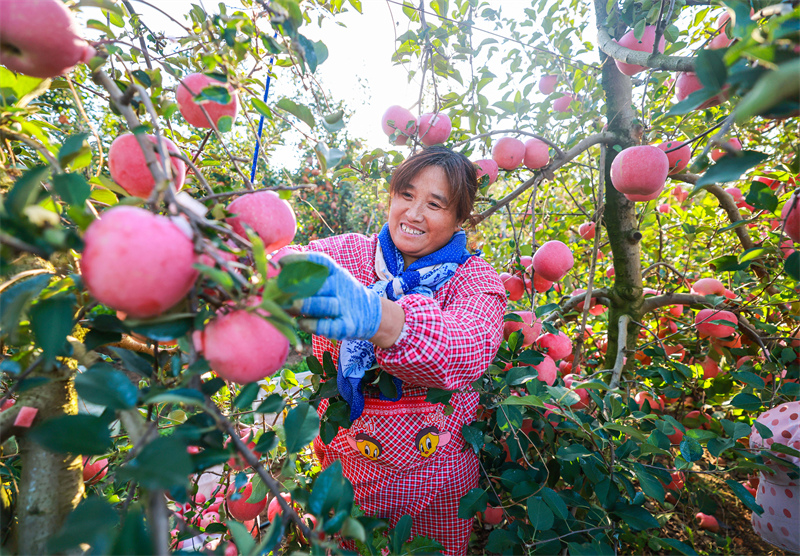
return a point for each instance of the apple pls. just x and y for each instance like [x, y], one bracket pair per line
[40, 38]
[680, 193]
[678, 158]
[698, 418]
[561, 104]
[587, 230]
[645, 44]
[275, 509]
[663, 208]
[640, 170]
[583, 394]
[708, 286]
[493, 515]
[508, 152]
[610, 272]
[547, 84]
[641, 397]
[553, 260]
[237, 462]
[94, 471]
[721, 40]
[733, 143]
[311, 523]
[677, 481]
[539, 283]
[434, 128]
[241, 509]
[191, 86]
[128, 168]
[487, 167]
[644, 198]
[790, 214]
[271, 217]
[242, 347]
[705, 326]
[398, 119]
[530, 327]
[710, 368]
[537, 154]
[137, 262]
[708, 522]
[676, 437]
[687, 83]
[547, 369]
[514, 286]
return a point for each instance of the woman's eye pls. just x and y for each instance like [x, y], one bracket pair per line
[434, 206]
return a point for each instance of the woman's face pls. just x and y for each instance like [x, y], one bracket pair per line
[422, 218]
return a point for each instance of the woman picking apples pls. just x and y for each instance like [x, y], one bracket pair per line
[414, 301]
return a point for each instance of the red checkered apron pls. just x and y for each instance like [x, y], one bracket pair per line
[407, 457]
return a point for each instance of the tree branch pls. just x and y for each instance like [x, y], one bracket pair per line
[646, 59]
[621, 347]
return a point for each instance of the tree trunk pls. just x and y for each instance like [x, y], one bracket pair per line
[51, 484]
[620, 214]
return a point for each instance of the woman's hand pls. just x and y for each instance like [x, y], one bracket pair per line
[342, 308]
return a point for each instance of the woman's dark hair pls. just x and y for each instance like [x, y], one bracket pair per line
[462, 177]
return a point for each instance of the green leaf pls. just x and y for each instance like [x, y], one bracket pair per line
[162, 329]
[214, 93]
[133, 536]
[148, 467]
[272, 404]
[91, 523]
[474, 501]
[26, 189]
[744, 495]
[267, 442]
[300, 111]
[247, 396]
[16, 298]
[261, 107]
[540, 514]
[133, 362]
[76, 434]
[761, 197]
[51, 322]
[792, 265]
[651, 486]
[73, 147]
[636, 517]
[730, 168]
[691, 450]
[400, 534]
[241, 536]
[710, 68]
[104, 385]
[437, 395]
[473, 436]
[308, 52]
[555, 503]
[745, 401]
[225, 124]
[302, 278]
[72, 188]
[683, 548]
[301, 426]
[727, 263]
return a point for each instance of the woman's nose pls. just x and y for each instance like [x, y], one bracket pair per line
[415, 212]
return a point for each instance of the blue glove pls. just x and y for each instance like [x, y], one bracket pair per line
[343, 308]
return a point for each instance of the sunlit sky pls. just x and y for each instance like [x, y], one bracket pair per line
[358, 70]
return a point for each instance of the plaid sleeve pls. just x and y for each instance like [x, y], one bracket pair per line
[449, 346]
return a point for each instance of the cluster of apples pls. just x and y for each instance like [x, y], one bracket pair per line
[547, 86]
[431, 129]
[551, 262]
[142, 264]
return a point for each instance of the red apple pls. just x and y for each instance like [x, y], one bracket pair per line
[553, 260]
[508, 152]
[707, 522]
[434, 128]
[687, 83]
[493, 515]
[710, 368]
[680, 193]
[191, 86]
[721, 40]
[547, 84]
[708, 286]
[640, 170]
[40, 38]
[645, 44]
[487, 167]
[275, 509]
[398, 119]
[547, 369]
[561, 104]
[128, 168]
[530, 327]
[677, 483]
[241, 509]
[641, 397]
[733, 143]
[514, 286]
[587, 230]
[790, 214]
[137, 262]
[271, 217]
[242, 347]
[94, 471]
[705, 326]
[539, 283]
[697, 416]
[678, 158]
[583, 394]
[537, 154]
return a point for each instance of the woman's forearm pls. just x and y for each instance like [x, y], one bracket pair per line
[392, 319]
